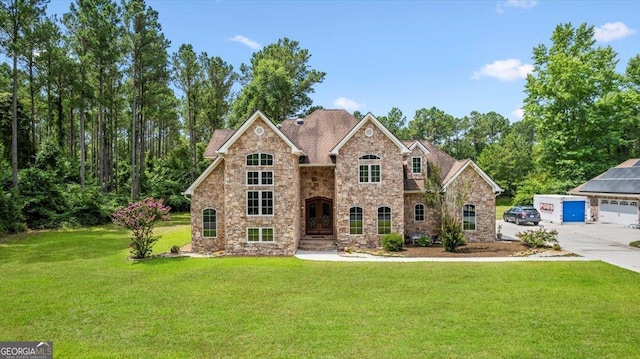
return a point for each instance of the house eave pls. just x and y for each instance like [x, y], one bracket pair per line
[605, 194]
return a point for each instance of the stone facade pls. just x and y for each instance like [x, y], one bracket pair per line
[225, 188]
[210, 194]
[315, 182]
[285, 220]
[431, 221]
[389, 192]
[480, 194]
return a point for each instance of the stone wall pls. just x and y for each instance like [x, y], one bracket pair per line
[209, 194]
[315, 182]
[286, 218]
[479, 193]
[369, 196]
[431, 223]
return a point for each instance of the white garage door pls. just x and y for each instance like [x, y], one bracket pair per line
[615, 211]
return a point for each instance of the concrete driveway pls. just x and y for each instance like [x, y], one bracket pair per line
[606, 242]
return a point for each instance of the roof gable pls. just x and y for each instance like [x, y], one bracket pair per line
[418, 144]
[247, 124]
[459, 167]
[189, 191]
[370, 118]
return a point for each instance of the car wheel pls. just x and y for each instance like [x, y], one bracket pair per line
[504, 216]
[517, 221]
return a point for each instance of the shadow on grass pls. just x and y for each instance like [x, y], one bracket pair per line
[63, 245]
[155, 261]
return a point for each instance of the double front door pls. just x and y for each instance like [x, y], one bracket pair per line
[319, 215]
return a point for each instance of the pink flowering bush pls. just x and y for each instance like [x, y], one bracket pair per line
[140, 217]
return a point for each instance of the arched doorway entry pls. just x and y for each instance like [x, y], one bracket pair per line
[319, 216]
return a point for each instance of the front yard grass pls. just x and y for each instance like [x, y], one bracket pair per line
[78, 289]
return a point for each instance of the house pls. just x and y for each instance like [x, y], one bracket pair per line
[328, 175]
[614, 195]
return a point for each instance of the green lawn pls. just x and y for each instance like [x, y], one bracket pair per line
[77, 289]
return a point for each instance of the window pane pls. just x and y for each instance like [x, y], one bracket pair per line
[355, 220]
[364, 173]
[369, 157]
[419, 212]
[266, 159]
[417, 165]
[384, 220]
[267, 234]
[252, 178]
[469, 217]
[253, 234]
[267, 178]
[267, 202]
[209, 223]
[253, 203]
[252, 160]
[375, 173]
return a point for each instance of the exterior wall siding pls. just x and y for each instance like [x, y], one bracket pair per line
[315, 182]
[210, 194]
[431, 223]
[480, 194]
[369, 196]
[286, 178]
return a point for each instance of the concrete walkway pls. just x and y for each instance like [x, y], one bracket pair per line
[606, 242]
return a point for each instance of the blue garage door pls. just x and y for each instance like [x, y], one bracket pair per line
[573, 211]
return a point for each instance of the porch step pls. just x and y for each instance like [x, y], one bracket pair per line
[307, 244]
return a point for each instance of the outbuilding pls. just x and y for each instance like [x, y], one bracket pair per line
[556, 208]
[614, 194]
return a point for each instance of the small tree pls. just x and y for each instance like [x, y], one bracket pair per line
[447, 205]
[140, 217]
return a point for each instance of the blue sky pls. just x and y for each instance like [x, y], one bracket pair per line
[458, 56]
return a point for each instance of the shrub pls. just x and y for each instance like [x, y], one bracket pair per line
[392, 242]
[538, 238]
[140, 217]
[424, 241]
[175, 249]
[452, 234]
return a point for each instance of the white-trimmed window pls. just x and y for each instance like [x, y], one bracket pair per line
[260, 159]
[356, 219]
[260, 234]
[209, 223]
[369, 169]
[418, 212]
[469, 217]
[384, 220]
[259, 203]
[416, 165]
[259, 178]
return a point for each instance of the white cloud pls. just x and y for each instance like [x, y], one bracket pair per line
[518, 114]
[245, 41]
[612, 31]
[504, 70]
[348, 104]
[520, 4]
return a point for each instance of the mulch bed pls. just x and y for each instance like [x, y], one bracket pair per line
[471, 249]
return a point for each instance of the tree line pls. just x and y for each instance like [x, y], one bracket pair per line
[95, 111]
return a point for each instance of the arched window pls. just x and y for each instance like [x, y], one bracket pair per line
[259, 159]
[209, 223]
[355, 220]
[384, 220]
[369, 169]
[469, 217]
[418, 212]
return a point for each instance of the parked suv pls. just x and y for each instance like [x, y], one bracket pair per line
[521, 214]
